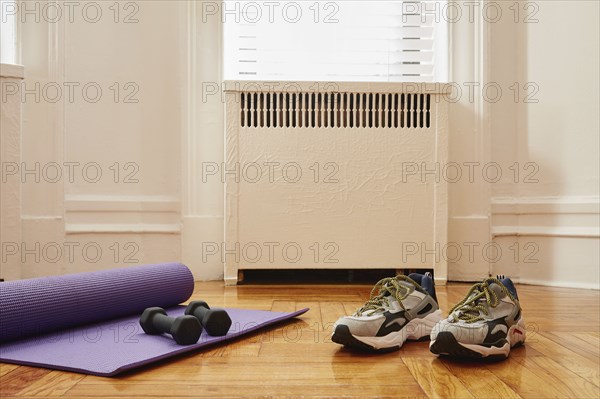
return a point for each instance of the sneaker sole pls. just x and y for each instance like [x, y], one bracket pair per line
[342, 336]
[446, 344]
[415, 330]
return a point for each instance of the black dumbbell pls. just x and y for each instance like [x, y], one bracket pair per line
[216, 322]
[185, 330]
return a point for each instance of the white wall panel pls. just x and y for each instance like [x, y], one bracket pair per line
[547, 126]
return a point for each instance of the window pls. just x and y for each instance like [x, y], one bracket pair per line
[389, 41]
[8, 37]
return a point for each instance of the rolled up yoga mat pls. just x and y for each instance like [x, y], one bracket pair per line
[89, 322]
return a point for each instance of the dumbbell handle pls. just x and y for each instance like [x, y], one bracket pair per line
[200, 312]
[163, 323]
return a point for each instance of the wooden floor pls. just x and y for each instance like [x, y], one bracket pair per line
[559, 360]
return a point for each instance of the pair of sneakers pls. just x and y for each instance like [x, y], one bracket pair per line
[486, 323]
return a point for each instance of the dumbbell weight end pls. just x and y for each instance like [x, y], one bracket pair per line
[216, 322]
[185, 330]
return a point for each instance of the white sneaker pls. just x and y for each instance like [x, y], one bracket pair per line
[400, 308]
[487, 323]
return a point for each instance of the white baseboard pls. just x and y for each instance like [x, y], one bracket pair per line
[558, 239]
[230, 281]
[196, 232]
[440, 281]
[464, 231]
[51, 247]
[558, 284]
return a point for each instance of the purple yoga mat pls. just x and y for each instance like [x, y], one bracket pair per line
[112, 347]
[39, 305]
[89, 322]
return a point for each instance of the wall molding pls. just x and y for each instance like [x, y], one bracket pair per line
[14, 71]
[202, 140]
[545, 205]
[469, 141]
[575, 217]
[112, 228]
[121, 203]
[546, 231]
[137, 214]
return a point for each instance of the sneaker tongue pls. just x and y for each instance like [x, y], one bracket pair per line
[497, 290]
[394, 305]
[493, 286]
[403, 283]
[406, 284]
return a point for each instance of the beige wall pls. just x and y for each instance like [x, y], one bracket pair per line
[553, 134]
[557, 128]
[102, 96]
[147, 133]
[171, 130]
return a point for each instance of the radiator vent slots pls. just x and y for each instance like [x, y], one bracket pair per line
[335, 110]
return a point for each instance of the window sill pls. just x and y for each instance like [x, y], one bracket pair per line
[12, 71]
[345, 86]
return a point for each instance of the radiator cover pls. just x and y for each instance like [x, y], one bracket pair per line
[322, 176]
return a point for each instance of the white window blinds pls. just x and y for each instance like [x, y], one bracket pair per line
[389, 41]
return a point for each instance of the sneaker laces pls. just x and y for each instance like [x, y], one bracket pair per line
[470, 308]
[383, 291]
